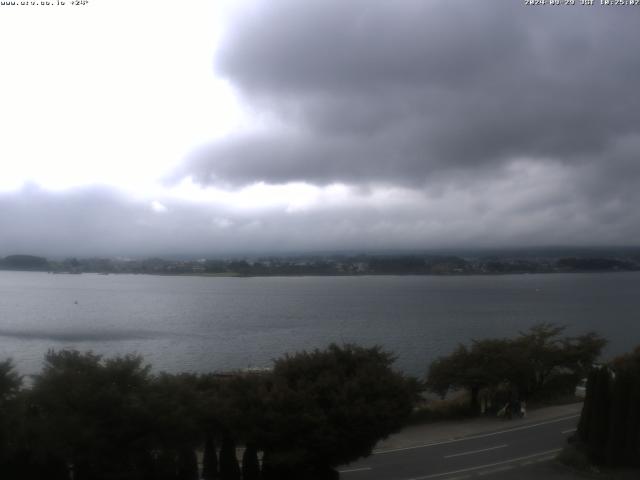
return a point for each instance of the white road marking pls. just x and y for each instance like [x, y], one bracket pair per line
[571, 430]
[488, 465]
[355, 470]
[537, 460]
[476, 451]
[473, 437]
[496, 470]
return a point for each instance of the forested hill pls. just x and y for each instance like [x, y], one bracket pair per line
[24, 262]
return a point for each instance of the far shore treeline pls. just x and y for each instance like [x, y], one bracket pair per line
[464, 263]
[89, 417]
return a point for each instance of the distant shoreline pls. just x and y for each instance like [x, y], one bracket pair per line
[299, 275]
[337, 265]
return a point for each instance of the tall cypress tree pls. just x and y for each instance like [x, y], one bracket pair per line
[210, 459]
[599, 425]
[631, 447]
[187, 465]
[229, 468]
[587, 407]
[267, 471]
[618, 417]
[166, 467]
[250, 463]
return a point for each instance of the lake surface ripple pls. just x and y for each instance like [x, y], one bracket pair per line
[205, 323]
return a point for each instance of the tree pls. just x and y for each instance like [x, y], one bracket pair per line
[92, 413]
[24, 262]
[487, 364]
[538, 362]
[209, 459]
[187, 464]
[174, 430]
[619, 410]
[329, 407]
[609, 427]
[250, 463]
[229, 468]
[599, 422]
[231, 406]
[549, 356]
[584, 424]
[10, 381]
[627, 385]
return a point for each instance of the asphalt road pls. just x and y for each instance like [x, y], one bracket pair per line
[486, 455]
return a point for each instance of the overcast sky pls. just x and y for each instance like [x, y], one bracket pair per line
[153, 127]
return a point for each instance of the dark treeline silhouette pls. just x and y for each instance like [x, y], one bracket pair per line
[24, 262]
[595, 264]
[537, 364]
[86, 417]
[471, 263]
[609, 427]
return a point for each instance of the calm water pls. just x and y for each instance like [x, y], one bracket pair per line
[200, 323]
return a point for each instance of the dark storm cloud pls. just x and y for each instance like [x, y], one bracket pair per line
[452, 123]
[526, 205]
[413, 91]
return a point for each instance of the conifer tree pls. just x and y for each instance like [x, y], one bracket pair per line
[599, 424]
[210, 459]
[618, 417]
[187, 464]
[587, 408]
[250, 463]
[631, 449]
[229, 468]
[166, 467]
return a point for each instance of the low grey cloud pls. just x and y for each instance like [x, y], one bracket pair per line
[412, 92]
[523, 204]
[445, 123]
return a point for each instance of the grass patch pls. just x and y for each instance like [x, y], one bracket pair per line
[574, 457]
[437, 410]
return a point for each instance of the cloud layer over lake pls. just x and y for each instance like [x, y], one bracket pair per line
[381, 125]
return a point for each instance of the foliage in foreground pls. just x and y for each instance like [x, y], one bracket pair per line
[112, 418]
[609, 427]
[537, 363]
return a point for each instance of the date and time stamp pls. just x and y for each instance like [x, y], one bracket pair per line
[44, 3]
[528, 3]
[582, 3]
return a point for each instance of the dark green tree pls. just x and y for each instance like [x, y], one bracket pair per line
[229, 468]
[187, 464]
[627, 371]
[548, 357]
[172, 403]
[539, 362]
[599, 421]
[620, 405]
[486, 364]
[250, 463]
[92, 412]
[210, 459]
[584, 424]
[329, 407]
[10, 381]
[609, 427]
[10, 425]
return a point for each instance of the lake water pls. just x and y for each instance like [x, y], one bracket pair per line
[206, 323]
